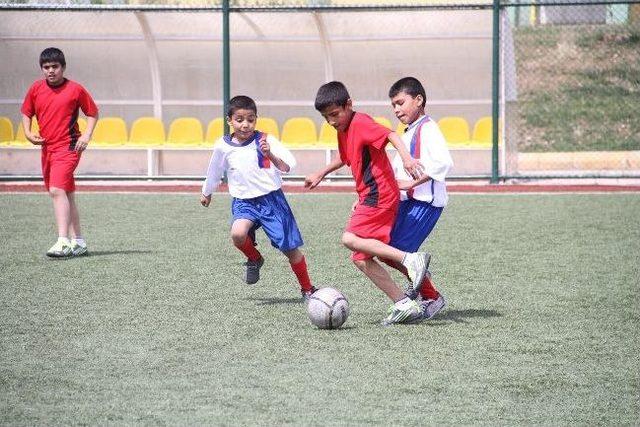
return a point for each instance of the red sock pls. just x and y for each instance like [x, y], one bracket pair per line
[428, 291]
[300, 269]
[249, 250]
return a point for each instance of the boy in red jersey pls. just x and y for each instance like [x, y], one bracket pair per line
[55, 102]
[361, 142]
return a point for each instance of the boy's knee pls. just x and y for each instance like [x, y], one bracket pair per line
[238, 238]
[55, 192]
[348, 239]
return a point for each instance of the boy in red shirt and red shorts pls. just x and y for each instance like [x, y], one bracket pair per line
[362, 142]
[55, 102]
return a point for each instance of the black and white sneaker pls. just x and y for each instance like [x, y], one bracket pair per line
[252, 271]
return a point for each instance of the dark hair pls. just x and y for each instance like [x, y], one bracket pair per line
[410, 86]
[241, 102]
[332, 93]
[52, 54]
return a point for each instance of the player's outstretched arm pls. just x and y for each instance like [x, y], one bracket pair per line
[312, 180]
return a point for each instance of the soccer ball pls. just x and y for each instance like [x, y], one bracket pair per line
[328, 308]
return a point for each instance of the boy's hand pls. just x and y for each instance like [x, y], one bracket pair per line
[82, 143]
[413, 167]
[35, 139]
[205, 200]
[265, 147]
[312, 180]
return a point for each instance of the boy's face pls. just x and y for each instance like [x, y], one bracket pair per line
[243, 123]
[338, 117]
[407, 108]
[53, 73]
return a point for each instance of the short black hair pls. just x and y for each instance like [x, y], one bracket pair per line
[332, 93]
[241, 102]
[410, 86]
[52, 54]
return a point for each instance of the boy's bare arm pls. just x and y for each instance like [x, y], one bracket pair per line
[32, 138]
[84, 139]
[411, 165]
[277, 161]
[312, 180]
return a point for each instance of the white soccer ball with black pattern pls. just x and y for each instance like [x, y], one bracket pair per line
[328, 308]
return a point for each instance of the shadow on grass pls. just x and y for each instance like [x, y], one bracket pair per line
[461, 316]
[455, 316]
[123, 252]
[274, 301]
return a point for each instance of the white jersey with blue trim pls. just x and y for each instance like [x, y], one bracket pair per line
[249, 173]
[434, 155]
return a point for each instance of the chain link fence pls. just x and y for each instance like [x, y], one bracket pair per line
[569, 89]
[572, 97]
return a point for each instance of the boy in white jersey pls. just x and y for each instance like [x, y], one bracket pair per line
[421, 200]
[254, 163]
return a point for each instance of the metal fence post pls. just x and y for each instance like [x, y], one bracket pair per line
[495, 91]
[226, 64]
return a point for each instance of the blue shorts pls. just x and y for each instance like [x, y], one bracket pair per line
[273, 214]
[414, 222]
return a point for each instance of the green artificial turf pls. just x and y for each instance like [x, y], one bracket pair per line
[156, 327]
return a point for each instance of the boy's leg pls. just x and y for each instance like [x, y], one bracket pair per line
[61, 211]
[299, 266]
[74, 217]
[404, 310]
[380, 277]
[416, 264]
[78, 245]
[240, 236]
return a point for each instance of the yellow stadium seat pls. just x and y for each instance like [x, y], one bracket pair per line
[109, 132]
[269, 126]
[6, 130]
[21, 139]
[383, 121]
[185, 131]
[455, 130]
[299, 131]
[147, 131]
[482, 132]
[215, 130]
[401, 128]
[328, 136]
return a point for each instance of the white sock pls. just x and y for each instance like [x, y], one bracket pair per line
[79, 241]
[402, 304]
[64, 240]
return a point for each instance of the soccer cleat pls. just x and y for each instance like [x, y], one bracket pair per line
[410, 314]
[307, 294]
[78, 250]
[431, 307]
[411, 293]
[252, 271]
[61, 249]
[417, 265]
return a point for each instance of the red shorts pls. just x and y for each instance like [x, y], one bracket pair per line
[371, 223]
[58, 167]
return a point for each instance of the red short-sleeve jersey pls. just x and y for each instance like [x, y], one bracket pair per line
[361, 147]
[56, 109]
